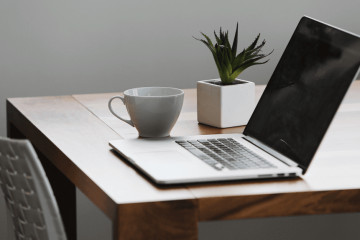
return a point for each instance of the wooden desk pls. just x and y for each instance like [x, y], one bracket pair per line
[71, 135]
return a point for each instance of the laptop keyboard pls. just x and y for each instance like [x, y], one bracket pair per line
[225, 153]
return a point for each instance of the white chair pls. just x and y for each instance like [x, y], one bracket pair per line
[28, 194]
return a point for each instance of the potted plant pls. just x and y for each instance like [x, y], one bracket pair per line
[228, 101]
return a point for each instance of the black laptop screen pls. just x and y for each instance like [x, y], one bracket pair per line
[305, 90]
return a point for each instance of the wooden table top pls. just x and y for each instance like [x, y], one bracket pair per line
[73, 132]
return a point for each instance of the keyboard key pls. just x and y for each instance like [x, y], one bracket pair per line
[221, 153]
[219, 166]
[191, 148]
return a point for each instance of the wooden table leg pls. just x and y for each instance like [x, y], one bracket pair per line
[175, 220]
[64, 190]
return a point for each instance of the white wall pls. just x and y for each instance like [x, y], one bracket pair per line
[66, 47]
[87, 46]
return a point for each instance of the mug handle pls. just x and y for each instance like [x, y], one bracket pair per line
[112, 111]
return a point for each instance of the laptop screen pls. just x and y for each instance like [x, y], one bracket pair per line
[305, 90]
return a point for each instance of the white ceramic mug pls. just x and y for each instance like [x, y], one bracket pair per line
[153, 110]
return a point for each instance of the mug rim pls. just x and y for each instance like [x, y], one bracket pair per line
[173, 95]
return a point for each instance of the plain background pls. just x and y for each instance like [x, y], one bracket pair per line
[71, 47]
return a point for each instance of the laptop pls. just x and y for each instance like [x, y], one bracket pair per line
[286, 128]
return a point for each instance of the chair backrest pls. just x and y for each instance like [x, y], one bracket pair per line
[28, 194]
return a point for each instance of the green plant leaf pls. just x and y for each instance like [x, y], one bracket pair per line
[257, 55]
[234, 46]
[208, 39]
[217, 39]
[212, 49]
[256, 50]
[223, 55]
[218, 54]
[227, 62]
[225, 72]
[228, 47]
[242, 68]
[248, 62]
[222, 36]
[251, 47]
[239, 59]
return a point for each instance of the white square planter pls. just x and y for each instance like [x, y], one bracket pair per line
[225, 106]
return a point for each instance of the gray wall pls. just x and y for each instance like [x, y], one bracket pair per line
[67, 47]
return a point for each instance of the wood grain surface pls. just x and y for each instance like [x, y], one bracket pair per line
[279, 204]
[334, 168]
[73, 133]
[157, 220]
[76, 142]
[186, 125]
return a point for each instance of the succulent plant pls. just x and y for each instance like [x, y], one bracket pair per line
[227, 62]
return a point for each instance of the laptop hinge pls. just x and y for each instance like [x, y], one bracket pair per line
[272, 152]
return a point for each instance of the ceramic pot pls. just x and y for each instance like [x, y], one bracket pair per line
[225, 106]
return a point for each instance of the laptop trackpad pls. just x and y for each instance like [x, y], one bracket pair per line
[163, 157]
[165, 166]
